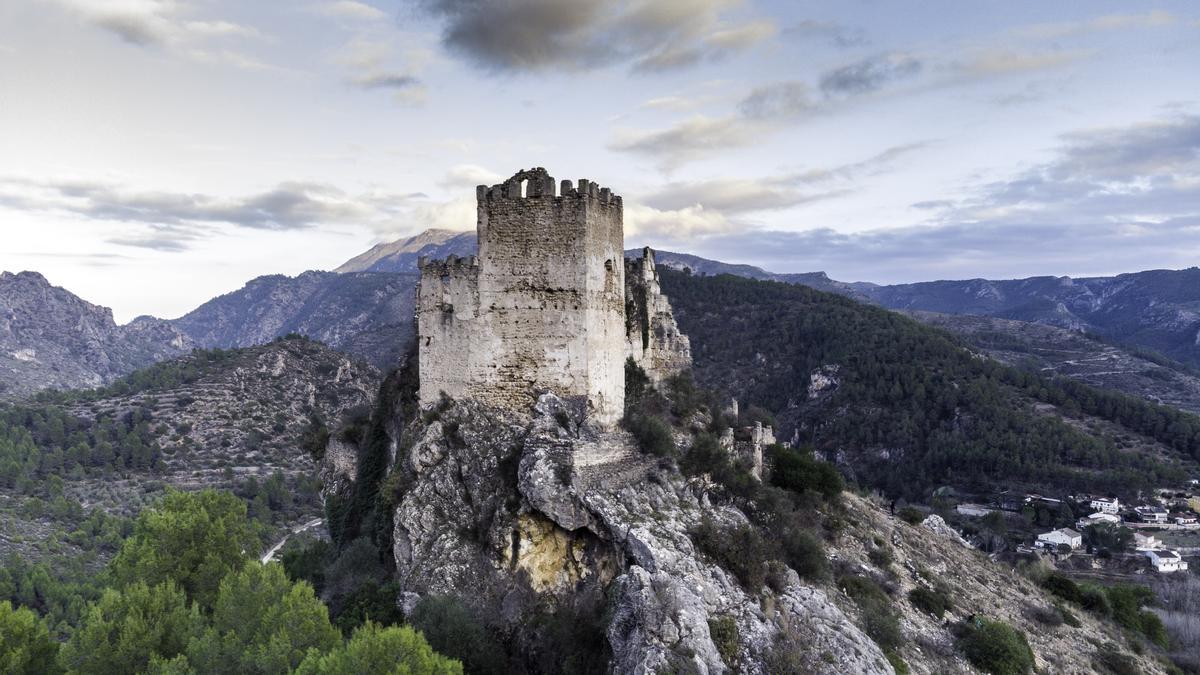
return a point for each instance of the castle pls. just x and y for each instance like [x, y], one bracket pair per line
[548, 305]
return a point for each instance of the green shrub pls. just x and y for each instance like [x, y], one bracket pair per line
[799, 471]
[880, 557]
[929, 601]
[911, 515]
[741, 550]
[1094, 600]
[725, 636]
[996, 647]
[804, 552]
[1116, 662]
[880, 621]
[1063, 587]
[653, 435]
[1069, 617]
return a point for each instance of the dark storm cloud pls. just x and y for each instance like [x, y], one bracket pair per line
[537, 35]
[869, 74]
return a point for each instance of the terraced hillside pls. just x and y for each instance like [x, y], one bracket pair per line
[1057, 351]
[243, 420]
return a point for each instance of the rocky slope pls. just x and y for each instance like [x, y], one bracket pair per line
[50, 338]
[526, 520]
[367, 315]
[208, 420]
[506, 516]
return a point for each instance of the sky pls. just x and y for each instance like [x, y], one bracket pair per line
[157, 153]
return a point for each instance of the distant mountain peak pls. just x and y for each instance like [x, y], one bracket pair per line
[401, 255]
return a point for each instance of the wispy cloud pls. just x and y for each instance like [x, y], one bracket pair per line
[829, 32]
[350, 9]
[171, 25]
[870, 74]
[173, 221]
[648, 35]
[1109, 22]
[372, 63]
[688, 140]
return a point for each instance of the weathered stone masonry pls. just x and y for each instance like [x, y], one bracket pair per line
[543, 306]
[542, 309]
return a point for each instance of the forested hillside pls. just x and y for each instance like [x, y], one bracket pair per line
[907, 408]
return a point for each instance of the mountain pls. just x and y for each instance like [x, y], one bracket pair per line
[368, 315]
[905, 408]
[50, 338]
[1157, 309]
[1051, 351]
[402, 255]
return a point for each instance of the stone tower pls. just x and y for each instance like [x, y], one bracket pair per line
[542, 308]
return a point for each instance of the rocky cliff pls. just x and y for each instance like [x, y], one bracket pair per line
[50, 338]
[508, 517]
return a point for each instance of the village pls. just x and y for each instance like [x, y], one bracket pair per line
[1099, 535]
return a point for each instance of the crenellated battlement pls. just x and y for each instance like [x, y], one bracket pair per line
[538, 184]
[451, 265]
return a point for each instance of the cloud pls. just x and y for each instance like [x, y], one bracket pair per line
[678, 225]
[869, 74]
[687, 140]
[350, 9]
[372, 64]
[1137, 173]
[1110, 22]
[570, 35]
[1109, 200]
[168, 24]
[778, 100]
[993, 62]
[830, 32]
[172, 221]
[734, 197]
[965, 250]
[463, 176]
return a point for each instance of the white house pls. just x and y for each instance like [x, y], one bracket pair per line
[1166, 561]
[1061, 536]
[1146, 541]
[1097, 518]
[1151, 514]
[1184, 518]
[1106, 505]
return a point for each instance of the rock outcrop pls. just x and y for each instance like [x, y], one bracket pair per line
[505, 516]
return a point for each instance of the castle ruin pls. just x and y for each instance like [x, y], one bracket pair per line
[543, 306]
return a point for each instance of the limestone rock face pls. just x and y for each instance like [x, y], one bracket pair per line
[507, 515]
[50, 338]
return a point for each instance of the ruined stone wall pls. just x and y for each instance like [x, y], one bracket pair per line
[447, 312]
[652, 338]
[544, 302]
